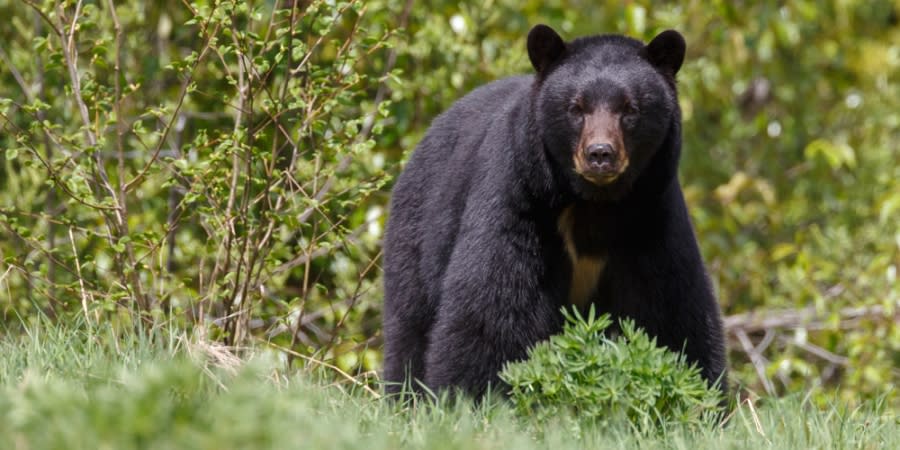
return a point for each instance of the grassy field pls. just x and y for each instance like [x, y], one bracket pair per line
[65, 389]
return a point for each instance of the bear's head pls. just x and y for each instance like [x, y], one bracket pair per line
[605, 105]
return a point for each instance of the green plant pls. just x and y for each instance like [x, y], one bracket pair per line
[605, 379]
[199, 181]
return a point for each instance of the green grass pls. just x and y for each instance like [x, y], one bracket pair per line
[68, 390]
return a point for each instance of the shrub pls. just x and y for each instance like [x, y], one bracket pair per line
[220, 178]
[602, 377]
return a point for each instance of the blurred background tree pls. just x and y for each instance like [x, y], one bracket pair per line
[223, 167]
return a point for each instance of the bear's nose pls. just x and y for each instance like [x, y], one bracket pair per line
[600, 153]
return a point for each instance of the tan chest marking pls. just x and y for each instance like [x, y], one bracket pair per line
[586, 270]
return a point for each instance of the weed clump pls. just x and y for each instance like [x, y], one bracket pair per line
[589, 374]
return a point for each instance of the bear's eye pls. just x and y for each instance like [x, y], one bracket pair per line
[575, 108]
[629, 109]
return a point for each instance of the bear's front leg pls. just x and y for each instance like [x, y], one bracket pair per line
[496, 303]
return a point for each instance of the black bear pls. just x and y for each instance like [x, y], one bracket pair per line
[536, 192]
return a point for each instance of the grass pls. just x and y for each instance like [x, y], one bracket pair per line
[76, 389]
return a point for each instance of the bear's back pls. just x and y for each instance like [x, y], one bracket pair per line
[462, 149]
[460, 130]
[455, 150]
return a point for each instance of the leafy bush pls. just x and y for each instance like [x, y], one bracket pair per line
[598, 378]
[201, 180]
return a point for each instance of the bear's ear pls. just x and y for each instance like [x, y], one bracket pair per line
[666, 52]
[544, 47]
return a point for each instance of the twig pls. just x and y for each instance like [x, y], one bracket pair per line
[6, 274]
[325, 364]
[117, 104]
[353, 299]
[774, 322]
[57, 181]
[84, 295]
[807, 317]
[757, 360]
[71, 57]
[766, 341]
[818, 351]
[244, 91]
[51, 199]
[16, 75]
[181, 96]
[304, 258]
[43, 15]
[756, 422]
[368, 124]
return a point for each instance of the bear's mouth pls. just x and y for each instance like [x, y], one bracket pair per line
[599, 171]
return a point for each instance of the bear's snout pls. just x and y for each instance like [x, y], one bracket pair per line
[601, 155]
[600, 163]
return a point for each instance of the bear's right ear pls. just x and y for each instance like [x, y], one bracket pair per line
[544, 47]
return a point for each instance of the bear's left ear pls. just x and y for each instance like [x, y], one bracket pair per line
[666, 52]
[544, 47]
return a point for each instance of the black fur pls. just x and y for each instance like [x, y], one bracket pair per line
[475, 268]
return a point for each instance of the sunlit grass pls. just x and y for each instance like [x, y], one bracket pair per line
[99, 389]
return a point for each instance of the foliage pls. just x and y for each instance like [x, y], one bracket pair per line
[202, 177]
[223, 167]
[594, 377]
[109, 391]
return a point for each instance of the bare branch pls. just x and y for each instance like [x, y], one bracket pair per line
[810, 318]
[817, 351]
[759, 363]
[46, 19]
[84, 294]
[16, 75]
